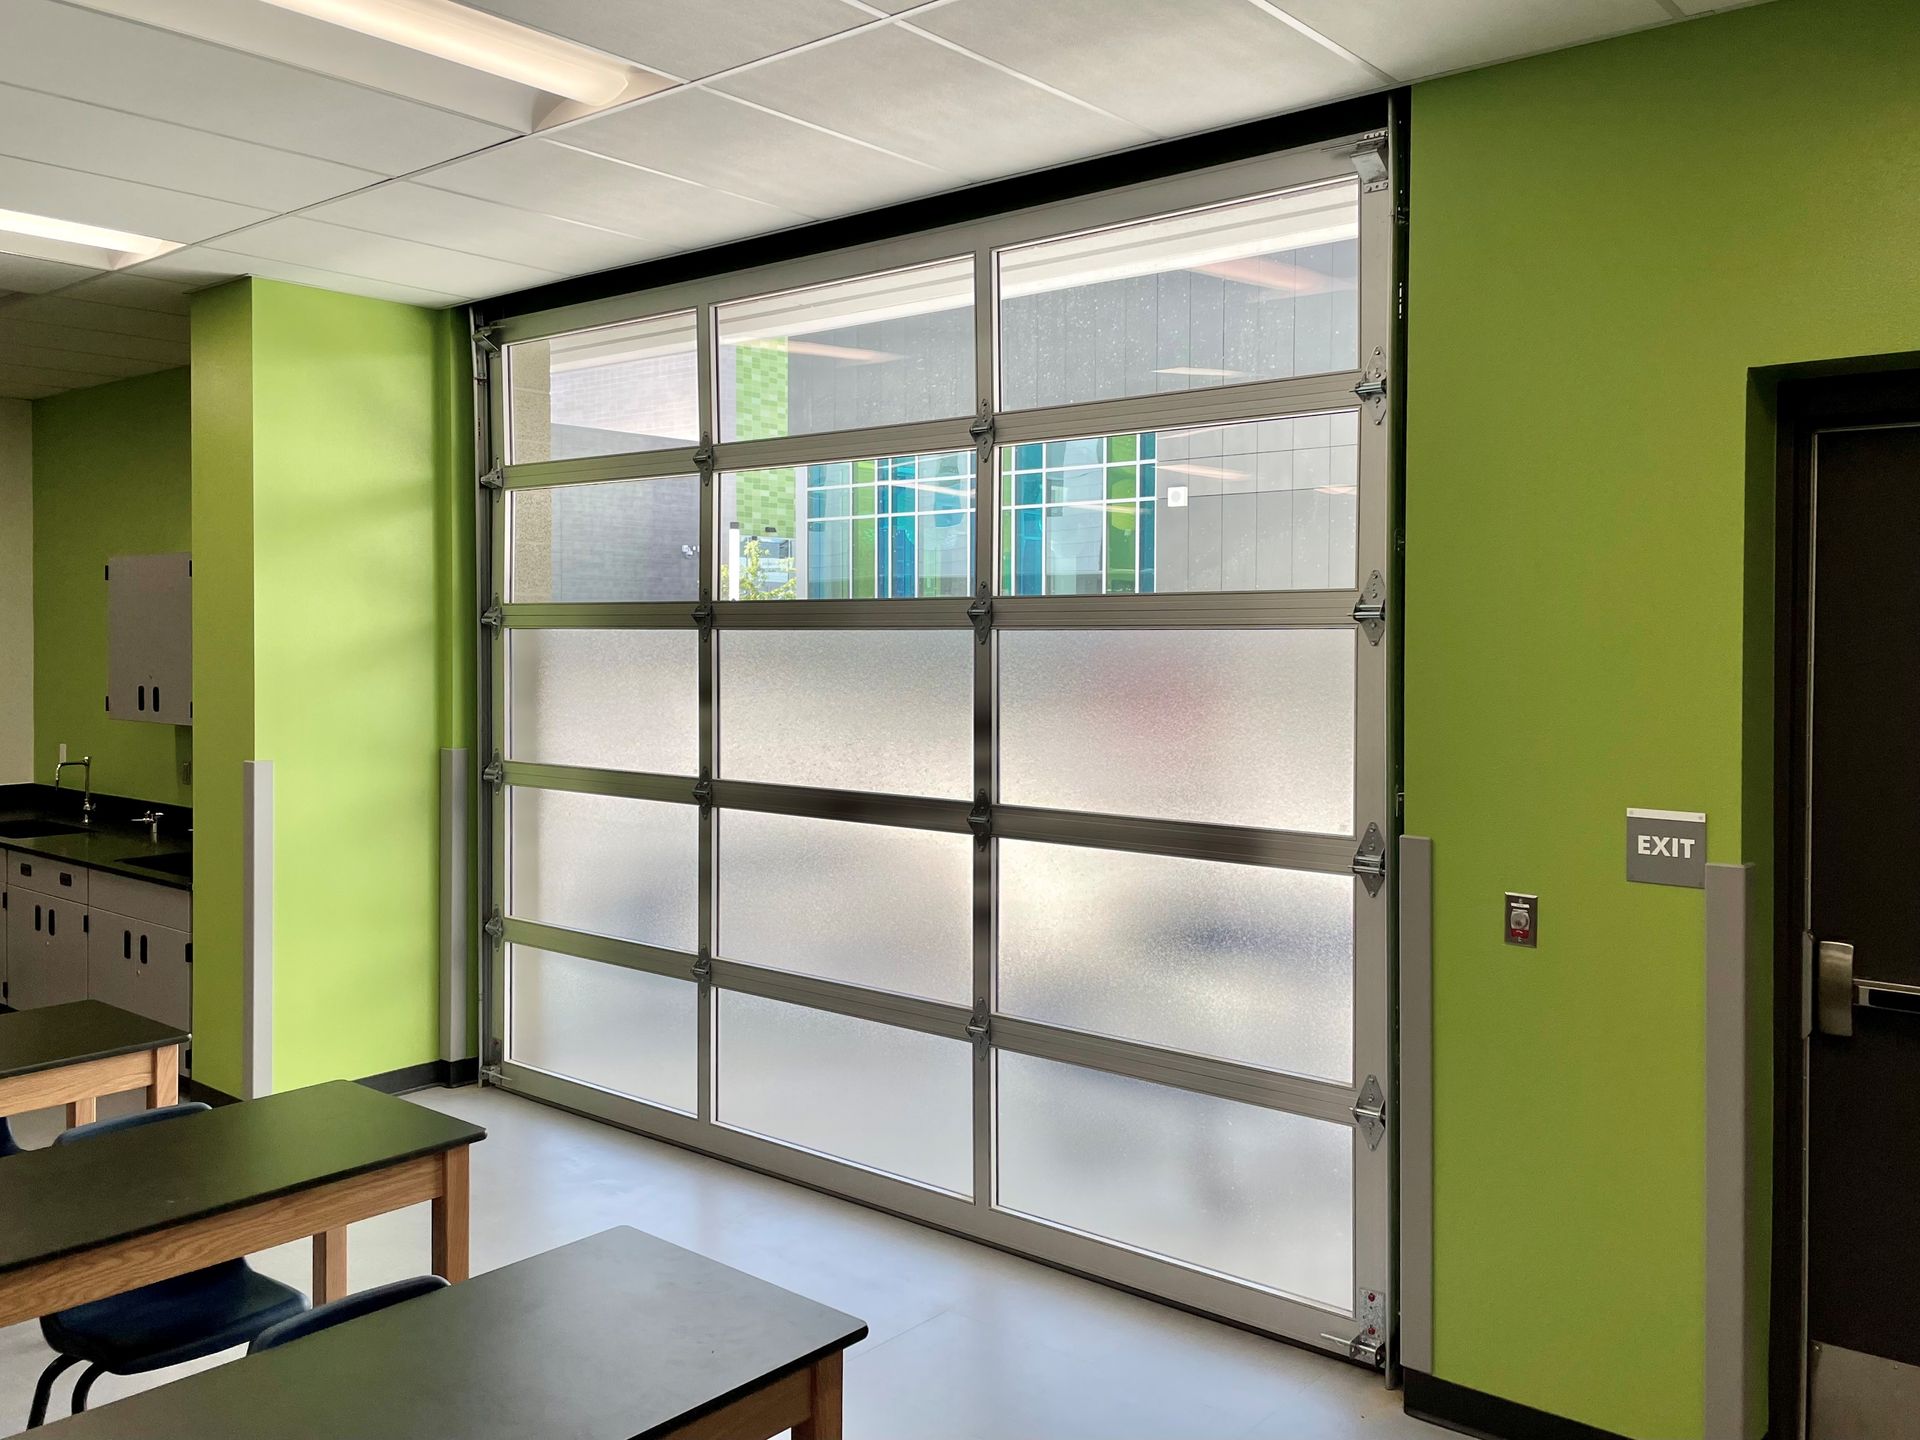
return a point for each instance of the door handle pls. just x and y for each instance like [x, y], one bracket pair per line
[1833, 987]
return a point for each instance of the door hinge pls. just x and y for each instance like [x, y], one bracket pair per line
[703, 967]
[495, 773]
[703, 617]
[982, 432]
[1367, 1349]
[1370, 1112]
[1372, 389]
[980, 820]
[484, 349]
[1370, 610]
[1370, 162]
[493, 616]
[980, 615]
[494, 479]
[1370, 860]
[980, 1029]
[705, 457]
[495, 927]
[703, 793]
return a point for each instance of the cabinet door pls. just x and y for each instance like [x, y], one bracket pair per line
[168, 976]
[141, 967]
[43, 935]
[150, 638]
[113, 969]
[67, 951]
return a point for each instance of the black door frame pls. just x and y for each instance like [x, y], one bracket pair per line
[1877, 391]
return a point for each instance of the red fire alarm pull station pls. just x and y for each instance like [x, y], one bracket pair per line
[1523, 920]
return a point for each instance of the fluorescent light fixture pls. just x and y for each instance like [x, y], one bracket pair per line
[45, 238]
[481, 42]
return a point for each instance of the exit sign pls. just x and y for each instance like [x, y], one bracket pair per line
[1667, 847]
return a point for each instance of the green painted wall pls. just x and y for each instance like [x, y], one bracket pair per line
[1605, 244]
[110, 477]
[329, 437]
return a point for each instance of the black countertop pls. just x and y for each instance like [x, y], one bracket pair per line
[110, 841]
[68, 1198]
[616, 1337]
[56, 1035]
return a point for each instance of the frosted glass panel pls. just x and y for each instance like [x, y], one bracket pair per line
[623, 1030]
[1236, 961]
[1256, 1194]
[889, 711]
[615, 699]
[619, 541]
[1260, 289]
[873, 905]
[874, 350]
[1265, 505]
[609, 391]
[1238, 727]
[889, 1099]
[896, 528]
[606, 865]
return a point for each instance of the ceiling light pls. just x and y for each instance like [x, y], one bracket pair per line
[480, 42]
[45, 238]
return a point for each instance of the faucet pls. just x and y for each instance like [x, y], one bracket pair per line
[85, 762]
[152, 821]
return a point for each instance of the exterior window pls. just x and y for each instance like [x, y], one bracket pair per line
[610, 391]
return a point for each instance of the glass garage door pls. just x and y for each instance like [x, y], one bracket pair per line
[939, 714]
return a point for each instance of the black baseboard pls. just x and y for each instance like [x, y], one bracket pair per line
[192, 1089]
[425, 1075]
[1473, 1412]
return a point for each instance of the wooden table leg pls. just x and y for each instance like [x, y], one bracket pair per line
[165, 1087]
[80, 1112]
[450, 1218]
[329, 1265]
[824, 1422]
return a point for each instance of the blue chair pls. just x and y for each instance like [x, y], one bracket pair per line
[168, 1323]
[8, 1145]
[347, 1307]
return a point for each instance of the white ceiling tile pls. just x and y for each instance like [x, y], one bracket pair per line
[688, 38]
[1714, 7]
[57, 131]
[920, 99]
[301, 241]
[20, 389]
[1213, 61]
[79, 362]
[91, 342]
[35, 277]
[460, 222]
[207, 263]
[1410, 42]
[895, 7]
[126, 66]
[137, 291]
[716, 140]
[668, 214]
[45, 379]
[119, 204]
[89, 315]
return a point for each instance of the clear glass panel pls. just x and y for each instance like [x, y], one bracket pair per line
[1256, 1194]
[882, 1097]
[615, 699]
[889, 711]
[1260, 289]
[619, 541]
[606, 865]
[1237, 727]
[1241, 962]
[623, 1030]
[877, 350]
[900, 527]
[873, 905]
[1265, 505]
[609, 391]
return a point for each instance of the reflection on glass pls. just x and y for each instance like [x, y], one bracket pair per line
[874, 905]
[889, 1099]
[1243, 962]
[618, 541]
[877, 350]
[900, 527]
[1265, 505]
[1256, 1194]
[627, 1031]
[1262, 289]
[606, 865]
[1237, 727]
[609, 391]
[615, 699]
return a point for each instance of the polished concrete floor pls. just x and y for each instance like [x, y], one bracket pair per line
[966, 1342]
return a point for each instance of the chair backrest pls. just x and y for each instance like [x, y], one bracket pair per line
[348, 1307]
[8, 1145]
[130, 1122]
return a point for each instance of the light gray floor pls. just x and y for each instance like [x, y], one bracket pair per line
[966, 1343]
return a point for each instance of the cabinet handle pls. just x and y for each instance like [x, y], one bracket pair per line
[156, 699]
[36, 917]
[25, 869]
[52, 916]
[143, 949]
[66, 878]
[126, 945]
[142, 697]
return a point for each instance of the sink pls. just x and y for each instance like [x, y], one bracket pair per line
[36, 829]
[178, 863]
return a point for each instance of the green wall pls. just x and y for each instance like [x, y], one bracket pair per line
[111, 476]
[1605, 245]
[329, 440]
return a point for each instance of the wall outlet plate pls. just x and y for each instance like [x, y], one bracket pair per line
[1523, 920]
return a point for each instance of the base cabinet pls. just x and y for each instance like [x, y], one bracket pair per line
[142, 967]
[46, 950]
